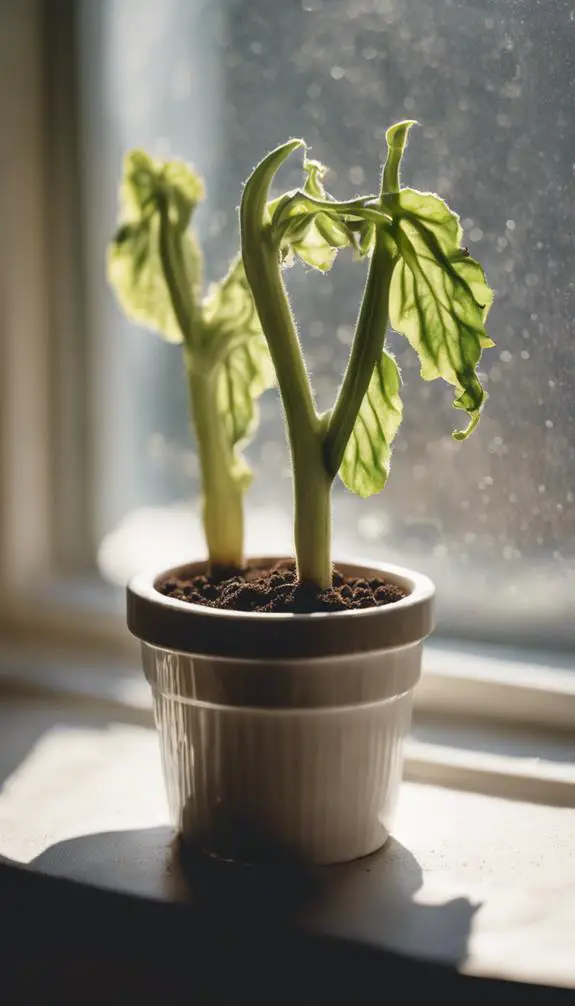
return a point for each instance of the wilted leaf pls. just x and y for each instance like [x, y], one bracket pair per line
[439, 298]
[315, 236]
[244, 366]
[243, 375]
[135, 268]
[365, 466]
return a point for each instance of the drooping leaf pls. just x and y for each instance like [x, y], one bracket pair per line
[234, 337]
[135, 267]
[228, 309]
[365, 465]
[313, 235]
[243, 375]
[439, 298]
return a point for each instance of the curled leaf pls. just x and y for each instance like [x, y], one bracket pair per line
[439, 298]
[307, 231]
[228, 310]
[143, 177]
[242, 376]
[396, 138]
[365, 465]
[234, 342]
[157, 200]
[316, 172]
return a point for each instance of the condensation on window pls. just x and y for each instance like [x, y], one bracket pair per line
[492, 86]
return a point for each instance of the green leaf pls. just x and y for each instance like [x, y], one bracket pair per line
[316, 172]
[143, 178]
[313, 235]
[439, 298]
[243, 375]
[396, 138]
[244, 369]
[153, 195]
[365, 465]
[228, 310]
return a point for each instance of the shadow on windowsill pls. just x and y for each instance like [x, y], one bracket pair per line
[370, 901]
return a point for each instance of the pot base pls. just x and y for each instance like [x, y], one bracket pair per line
[265, 854]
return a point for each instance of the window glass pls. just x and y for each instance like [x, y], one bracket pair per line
[491, 83]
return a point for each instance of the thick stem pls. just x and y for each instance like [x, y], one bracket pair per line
[222, 496]
[222, 502]
[312, 522]
[306, 429]
[312, 518]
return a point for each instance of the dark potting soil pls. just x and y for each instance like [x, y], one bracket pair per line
[277, 590]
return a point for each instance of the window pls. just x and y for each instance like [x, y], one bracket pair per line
[492, 520]
[221, 81]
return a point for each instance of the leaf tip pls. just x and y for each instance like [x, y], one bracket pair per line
[464, 434]
[396, 135]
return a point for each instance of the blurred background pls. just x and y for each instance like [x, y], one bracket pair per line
[219, 82]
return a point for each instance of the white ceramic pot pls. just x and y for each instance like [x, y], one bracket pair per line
[282, 733]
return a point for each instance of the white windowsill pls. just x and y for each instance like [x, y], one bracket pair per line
[473, 880]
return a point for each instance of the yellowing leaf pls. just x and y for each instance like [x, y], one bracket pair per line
[315, 236]
[439, 298]
[135, 267]
[243, 375]
[365, 466]
[244, 367]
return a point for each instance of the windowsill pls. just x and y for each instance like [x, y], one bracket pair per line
[471, 880]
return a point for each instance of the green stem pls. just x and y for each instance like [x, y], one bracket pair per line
[222, 502]
[222, 496]
[312, 525]
[312, 515]
[371, 328]
[355, 207]
[366, 350]
[312, 520]
[173, 268]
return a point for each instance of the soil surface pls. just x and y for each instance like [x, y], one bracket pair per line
[277, 590]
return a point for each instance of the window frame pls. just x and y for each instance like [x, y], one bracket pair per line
[45, 456]
[49, 465]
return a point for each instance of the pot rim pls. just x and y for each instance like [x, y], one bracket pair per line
[167, 622]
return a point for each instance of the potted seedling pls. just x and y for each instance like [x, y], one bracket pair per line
[155, 267]
[283, 689]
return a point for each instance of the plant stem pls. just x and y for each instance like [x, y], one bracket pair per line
[312, 522]
[222, 495]
[312, 516]
[371, 328]
[312, 519]
[367, 347]
[366, 208]
[181, 295]
[222, 503]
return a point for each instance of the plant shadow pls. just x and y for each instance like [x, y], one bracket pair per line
[370, 901]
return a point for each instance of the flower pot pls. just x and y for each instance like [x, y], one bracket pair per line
[282, 734]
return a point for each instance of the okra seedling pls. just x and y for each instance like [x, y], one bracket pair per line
[420, 281]
[155, 266]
